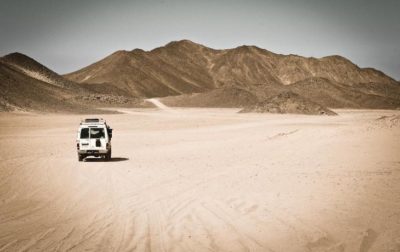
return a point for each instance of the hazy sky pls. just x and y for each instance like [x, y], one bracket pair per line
[67, 35]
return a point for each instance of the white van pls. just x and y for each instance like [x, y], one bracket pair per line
[94, 139]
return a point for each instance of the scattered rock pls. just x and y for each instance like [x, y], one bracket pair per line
[288, 103]
[388, 121]
[226, 97]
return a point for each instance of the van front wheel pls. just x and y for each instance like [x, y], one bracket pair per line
[80, 158]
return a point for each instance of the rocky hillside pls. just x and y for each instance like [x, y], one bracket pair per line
[27, 85]
[288, 103]
[184, 67]
[174, 69]
[226, 97]
[21, 91]
[35, 70]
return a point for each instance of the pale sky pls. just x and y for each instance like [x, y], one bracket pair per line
[68, 35]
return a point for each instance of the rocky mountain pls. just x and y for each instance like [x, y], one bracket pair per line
[184, 67]
[36, 70]
[27, 85]
[25, 88]
[177, 68]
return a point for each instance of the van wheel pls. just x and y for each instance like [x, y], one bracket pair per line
[108, 156]
[80, 158]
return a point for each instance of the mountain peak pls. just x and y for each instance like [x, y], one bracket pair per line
[18, 58]
[246, 47]
[183, 43]
[23, 61]
[337, 58]
[120, 53]
[138, 51]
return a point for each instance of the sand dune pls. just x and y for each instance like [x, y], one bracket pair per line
[203, 180]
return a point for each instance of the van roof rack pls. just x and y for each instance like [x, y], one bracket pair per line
[93, 121]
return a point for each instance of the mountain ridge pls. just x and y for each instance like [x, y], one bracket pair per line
[183, 66]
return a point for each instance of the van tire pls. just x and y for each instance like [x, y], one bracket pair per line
[80, 158]
[108, 156]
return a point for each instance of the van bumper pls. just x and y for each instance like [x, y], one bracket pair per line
[92, 152]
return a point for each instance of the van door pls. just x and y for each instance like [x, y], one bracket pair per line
[97, 138]
[84, 139]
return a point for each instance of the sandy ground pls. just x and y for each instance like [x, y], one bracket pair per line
[203, 180]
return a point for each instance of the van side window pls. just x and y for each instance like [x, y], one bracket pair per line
[84, 133]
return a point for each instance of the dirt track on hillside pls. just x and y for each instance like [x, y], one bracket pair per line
[201, 180]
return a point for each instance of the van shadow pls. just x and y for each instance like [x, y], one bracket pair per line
[113, 159]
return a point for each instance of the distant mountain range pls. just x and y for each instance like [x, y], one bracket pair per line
[185, 67]
[195, 75]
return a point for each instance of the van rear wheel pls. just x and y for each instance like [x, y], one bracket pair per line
[108, 156]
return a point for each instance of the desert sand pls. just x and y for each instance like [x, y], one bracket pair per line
[203, 180]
